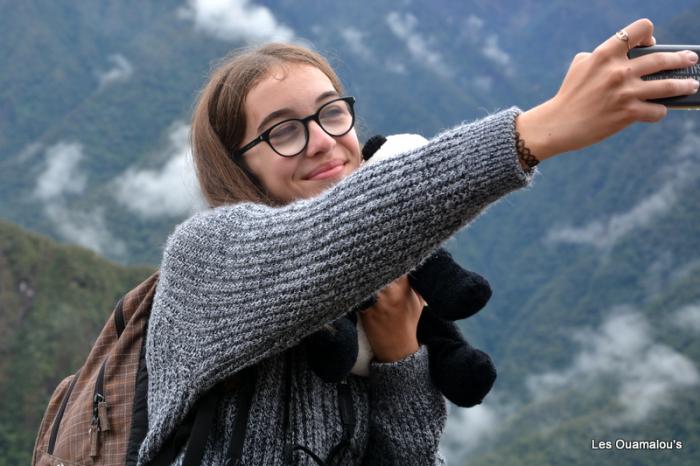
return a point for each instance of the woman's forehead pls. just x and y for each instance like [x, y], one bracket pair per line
[290, 86]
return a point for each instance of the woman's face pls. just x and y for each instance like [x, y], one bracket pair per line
[296, 91]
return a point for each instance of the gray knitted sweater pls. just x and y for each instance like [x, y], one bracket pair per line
[243, 284]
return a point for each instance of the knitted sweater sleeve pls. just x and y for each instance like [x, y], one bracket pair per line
[240, 283]
[407, 413]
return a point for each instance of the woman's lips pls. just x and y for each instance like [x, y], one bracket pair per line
[329, 173]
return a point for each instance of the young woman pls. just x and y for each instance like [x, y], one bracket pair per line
[297, 235]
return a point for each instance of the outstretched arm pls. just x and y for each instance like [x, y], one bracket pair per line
[243, 282]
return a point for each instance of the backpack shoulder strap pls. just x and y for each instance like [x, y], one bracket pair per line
[197, 428]
[201, 427]
[235, 449]
[138, 300]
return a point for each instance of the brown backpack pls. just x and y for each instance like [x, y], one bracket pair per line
[99, 415]
[94, 414]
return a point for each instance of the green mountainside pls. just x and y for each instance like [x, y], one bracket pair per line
[636, 384]
[472, 58]
[604, 248]
[54, 300]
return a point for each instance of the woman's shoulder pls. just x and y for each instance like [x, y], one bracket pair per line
[214, 228]
[211, 220]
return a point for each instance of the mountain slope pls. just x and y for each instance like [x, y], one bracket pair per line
[606, 237]
[54, 300]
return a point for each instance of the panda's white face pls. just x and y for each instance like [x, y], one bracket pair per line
[397, 144]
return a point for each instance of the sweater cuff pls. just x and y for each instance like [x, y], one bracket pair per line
[408, 412]
[412, 371]
[508, 153]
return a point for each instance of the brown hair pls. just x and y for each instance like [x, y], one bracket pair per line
[219, 121]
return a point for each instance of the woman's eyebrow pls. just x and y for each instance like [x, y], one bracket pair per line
[326, 94]
[288, 111]
[276, 114]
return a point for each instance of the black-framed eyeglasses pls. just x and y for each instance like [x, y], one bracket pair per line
[289, 138]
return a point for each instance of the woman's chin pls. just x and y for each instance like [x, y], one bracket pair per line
[316, 187]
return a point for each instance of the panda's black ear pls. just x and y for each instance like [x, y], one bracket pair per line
[372, 145]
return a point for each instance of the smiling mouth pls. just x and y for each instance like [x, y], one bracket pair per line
[329, 173]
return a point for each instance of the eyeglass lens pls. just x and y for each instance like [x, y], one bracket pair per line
[290, 137]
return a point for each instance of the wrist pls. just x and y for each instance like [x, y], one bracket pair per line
[397, 353]
[527, 159]
[537, 133]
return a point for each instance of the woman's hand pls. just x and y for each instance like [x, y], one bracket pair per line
[603, 93]
[391, 323]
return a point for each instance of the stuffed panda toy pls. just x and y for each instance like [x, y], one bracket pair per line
[462, 373]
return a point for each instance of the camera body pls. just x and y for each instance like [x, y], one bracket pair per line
[685, 102]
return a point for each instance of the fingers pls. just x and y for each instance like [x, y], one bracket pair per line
[646, 43]
[648, 112]
[654, 62]
[640, 33]
[399, 295]
[661, 88]
[394, 293]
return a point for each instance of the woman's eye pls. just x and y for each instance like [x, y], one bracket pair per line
[285, 131]
[333, 111]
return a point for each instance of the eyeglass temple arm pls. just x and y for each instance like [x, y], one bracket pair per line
[250, 145]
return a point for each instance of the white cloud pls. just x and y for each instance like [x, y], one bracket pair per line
[688, 317]
[396, 67]
[172, 190]
[681, 169]
[61, 174]
[622, 352]
[404, 27]
[473, 31]
[496, 54]
[87, 229]
[623, 348]
[468, 429]
[233, 20]
[604, 234]
[355, 39]
[120, 72]
[650, 382]
[62, 178]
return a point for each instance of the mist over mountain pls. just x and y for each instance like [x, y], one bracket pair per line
[594, 320]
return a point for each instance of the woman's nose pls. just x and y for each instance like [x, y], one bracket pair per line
[319, 141]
